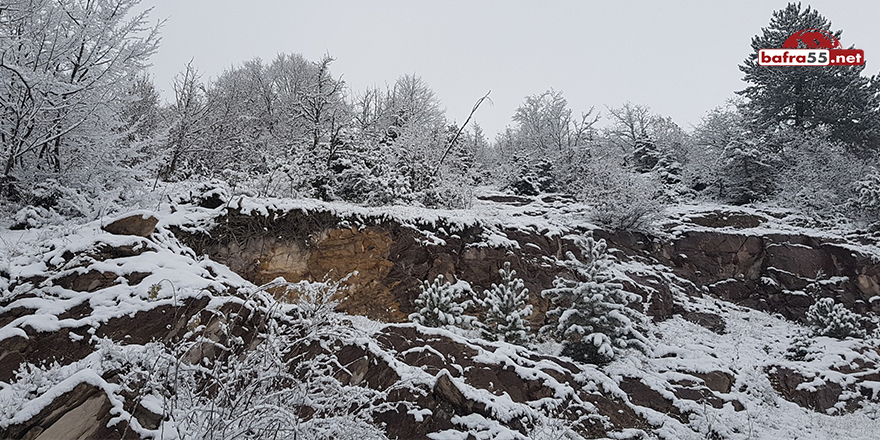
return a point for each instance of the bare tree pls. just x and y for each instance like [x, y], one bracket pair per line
[188, 124]
[632, 126]
[546, 124]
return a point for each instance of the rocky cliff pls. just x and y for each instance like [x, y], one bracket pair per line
[726, 290]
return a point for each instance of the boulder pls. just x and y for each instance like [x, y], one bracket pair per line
[81, 413]
[141, 223]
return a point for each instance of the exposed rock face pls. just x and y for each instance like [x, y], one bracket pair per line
[387, 261]
[820, 398]
[775, 272]
[454, 376]
[464, 373]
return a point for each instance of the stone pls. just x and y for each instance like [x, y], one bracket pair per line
[736, 220]
[785, 381]
[81, 413]
[643, 395]
[142, 224]
[710, 321]
[717, 381]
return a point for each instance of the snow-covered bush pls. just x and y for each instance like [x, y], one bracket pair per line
[818, 176]
[315, 302]
[34, 217]
[530, 176]
[507, 309]
[834, 320]
[279, 384]
[800, 348]
[748, 172]
[593, 319]
[621, 199]
[438, 305]
[272, 392]
[866, 201]
[211, 194]
[448, 193]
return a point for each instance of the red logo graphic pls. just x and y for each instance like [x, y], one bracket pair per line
[811, 39]
[811, 47]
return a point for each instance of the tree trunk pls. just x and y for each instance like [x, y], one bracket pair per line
[799, 104]
[56, 155]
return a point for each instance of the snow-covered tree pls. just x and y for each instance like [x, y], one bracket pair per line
[621, 199]
[834, 320]
[438, 305]
[591, 314]
[188, 124]
[836, 98]
[648, 143]
[546, 132]
[867, 194]
[507, 309]
[749, 171]
[818, 175]
[702, 172]
[64, 73]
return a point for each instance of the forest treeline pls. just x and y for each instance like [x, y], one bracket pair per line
[83, 129]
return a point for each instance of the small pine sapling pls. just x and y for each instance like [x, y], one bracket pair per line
[507, 310]
[593, 318]
[834, 320]
[438, 305]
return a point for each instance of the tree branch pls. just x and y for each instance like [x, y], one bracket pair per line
[458, 133]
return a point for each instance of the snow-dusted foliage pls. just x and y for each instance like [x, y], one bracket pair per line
[621, 199]
[438, 305]
[592, 316]
[840, 101]
[749, 172]
[216, 385]
[867, 194]
[507, 309]
[65, 74]
[538, 151]
[271, 391]
[818, 177]
[834, 320]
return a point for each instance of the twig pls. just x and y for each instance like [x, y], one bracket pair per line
[458, 133]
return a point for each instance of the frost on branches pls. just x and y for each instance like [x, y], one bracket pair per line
[593, 320]
[834, 320]
[867, 199]
[507, 310]
[438, 305]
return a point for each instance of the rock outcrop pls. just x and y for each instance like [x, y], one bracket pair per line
[775, 272]
[138, 285]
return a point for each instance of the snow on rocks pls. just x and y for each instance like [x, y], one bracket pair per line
[85, 310]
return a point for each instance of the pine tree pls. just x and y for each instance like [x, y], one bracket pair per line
[748, 170]
[438, 305]
[808, 97]
[507, 311]
[867, 199]
[593, 320]
[834, 320]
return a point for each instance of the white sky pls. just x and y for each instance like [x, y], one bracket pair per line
[678, 57]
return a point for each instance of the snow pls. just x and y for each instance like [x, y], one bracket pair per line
[32, 407]
[754, 341]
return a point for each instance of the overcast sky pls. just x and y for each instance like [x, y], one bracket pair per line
[678, 57]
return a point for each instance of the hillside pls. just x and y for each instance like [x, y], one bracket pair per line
[177, 324]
